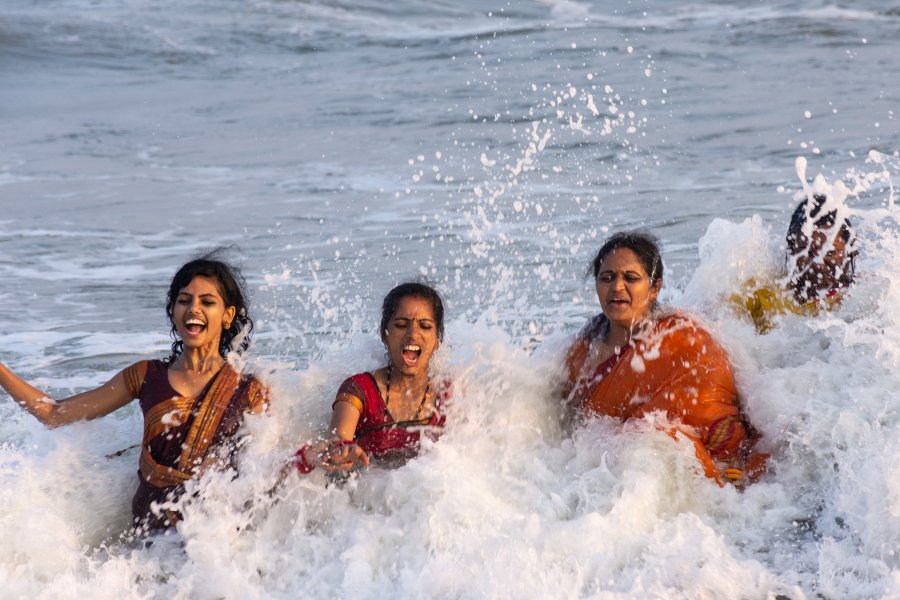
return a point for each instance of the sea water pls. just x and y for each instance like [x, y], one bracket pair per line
[488, 147]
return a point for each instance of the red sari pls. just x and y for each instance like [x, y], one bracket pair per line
[675, 367]
[377, 433]
[181, 433]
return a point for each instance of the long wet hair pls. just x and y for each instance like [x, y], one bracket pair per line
[231, 285]
[798, 242]
[417, 290]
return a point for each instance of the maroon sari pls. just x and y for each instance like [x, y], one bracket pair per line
[181, 434]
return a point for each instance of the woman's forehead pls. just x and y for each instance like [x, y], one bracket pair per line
[414, 307]
[622, 259]
[201, 285]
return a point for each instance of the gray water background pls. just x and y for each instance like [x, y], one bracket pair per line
[135, 134]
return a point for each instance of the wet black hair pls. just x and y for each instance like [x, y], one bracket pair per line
[417, 290]
[231, 286]
[797, 241]
[644, 244]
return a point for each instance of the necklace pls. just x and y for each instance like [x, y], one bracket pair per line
[387, 395]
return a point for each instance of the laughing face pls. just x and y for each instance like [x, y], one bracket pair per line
[200, 313]
[411, 335]
[624, 288]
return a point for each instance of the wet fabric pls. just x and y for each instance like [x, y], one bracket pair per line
[762, 303]
[377, 433]
[676, 367]
[183, 435]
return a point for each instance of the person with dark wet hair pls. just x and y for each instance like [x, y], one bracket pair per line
[821, 253]
[193, 401]
[635, 358]
[383, 414]
[231, 287]
[820, 265]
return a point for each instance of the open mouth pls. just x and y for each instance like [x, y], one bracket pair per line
[194, 326]
[411, 354]
[618, 302]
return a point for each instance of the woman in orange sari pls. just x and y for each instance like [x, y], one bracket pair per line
[193, 402]
[634, 358]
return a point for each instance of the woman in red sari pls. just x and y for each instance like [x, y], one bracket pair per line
[383, 414]
[192, 402]
[634, 359]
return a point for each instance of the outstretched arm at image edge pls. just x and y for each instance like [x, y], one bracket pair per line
[88, 405]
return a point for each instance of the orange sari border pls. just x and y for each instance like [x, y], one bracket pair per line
[159, 419]
[209, 412]
[208, 417]
[159, 475]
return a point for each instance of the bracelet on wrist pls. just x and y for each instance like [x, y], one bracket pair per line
[300, 461]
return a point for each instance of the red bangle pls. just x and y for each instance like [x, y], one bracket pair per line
[300, 461]
[341, 443]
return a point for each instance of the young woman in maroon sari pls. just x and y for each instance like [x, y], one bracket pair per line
[383, 414]
[193, 401]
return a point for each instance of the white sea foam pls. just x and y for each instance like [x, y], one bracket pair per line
[511, 496]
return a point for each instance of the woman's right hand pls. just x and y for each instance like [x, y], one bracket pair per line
[336, 456]
[339, 454]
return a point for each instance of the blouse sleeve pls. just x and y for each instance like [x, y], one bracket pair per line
[134, 378]
[351, 393]
[258, 397]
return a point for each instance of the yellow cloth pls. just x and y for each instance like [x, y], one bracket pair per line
[762, 303]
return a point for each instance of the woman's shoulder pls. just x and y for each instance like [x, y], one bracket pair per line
[667, 318]
[680, 333]
[360, 390]
[138, 373]
[679, 323]
[258, 392]
[360, 379]
[147, 364]
[443, 387]
[254, 382]
[578, 350]
[594, 327]
[357, 385]
[248, 386]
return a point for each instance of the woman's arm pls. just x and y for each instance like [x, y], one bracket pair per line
[88, 405]
[342, 454]
[339, 453]
[344, 418]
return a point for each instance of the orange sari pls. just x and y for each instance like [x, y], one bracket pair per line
[676, 367]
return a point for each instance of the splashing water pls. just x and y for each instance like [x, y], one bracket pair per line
[557, 122]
